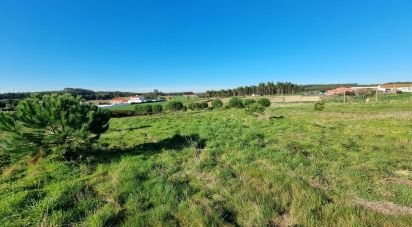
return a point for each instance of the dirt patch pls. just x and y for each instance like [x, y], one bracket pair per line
[284, 220]
[319, 185]
[396, 180]
[384, 207]
[403, 172]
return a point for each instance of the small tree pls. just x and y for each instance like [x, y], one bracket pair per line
[175, 106]
[217, 103]
[248, 102]
[157, 108]
[235, 102]
[143, 109]
[255, 108]
[319, 106]
[264, 102]
[53, 121]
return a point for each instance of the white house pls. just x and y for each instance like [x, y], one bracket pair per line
[393, 87]
[136, 99]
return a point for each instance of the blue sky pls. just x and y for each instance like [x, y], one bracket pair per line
[203, 44]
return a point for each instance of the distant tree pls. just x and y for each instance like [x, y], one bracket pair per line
[53, 121]
[175, 106]
[264, 102]
[255, 108]
[142, 109]
[235, 102]
[217, 103]
[248, 102]
[156, 93]
[157, 108]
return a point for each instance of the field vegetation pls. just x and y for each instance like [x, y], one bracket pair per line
[348, 165]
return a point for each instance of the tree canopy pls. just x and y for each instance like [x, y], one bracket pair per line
[53, 121]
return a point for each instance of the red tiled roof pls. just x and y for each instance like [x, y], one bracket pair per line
[125, 99]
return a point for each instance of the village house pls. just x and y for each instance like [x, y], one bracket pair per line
[340, 91]
[394, 87]
[119, 100]
[136, 99]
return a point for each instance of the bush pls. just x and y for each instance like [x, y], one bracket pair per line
[264, 102]
[175, 106]
[319, 106]
[53, 121]
[198, 106]
[157, 108]
[143, 109]
[235, 102]
[122, 113]
[217, 103]
[255, 108]
[248, 102]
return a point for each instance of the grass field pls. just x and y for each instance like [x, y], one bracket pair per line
[349, 165]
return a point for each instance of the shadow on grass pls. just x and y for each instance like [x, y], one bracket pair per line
[132, 128]
[175, 143]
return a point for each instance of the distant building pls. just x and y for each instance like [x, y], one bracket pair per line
[340, 91]
[119, 100]
[394, 87]
[136, 99]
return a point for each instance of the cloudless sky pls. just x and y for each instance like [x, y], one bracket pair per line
[202, 44]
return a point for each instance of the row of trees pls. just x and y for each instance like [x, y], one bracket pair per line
[268, 88]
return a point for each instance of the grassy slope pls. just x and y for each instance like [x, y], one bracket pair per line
[227, 168]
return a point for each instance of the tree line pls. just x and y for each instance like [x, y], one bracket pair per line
[269, 88]
[87, 94]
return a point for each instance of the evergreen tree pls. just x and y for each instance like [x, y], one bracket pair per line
[53, 121]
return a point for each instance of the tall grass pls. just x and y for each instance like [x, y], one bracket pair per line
[225, 167]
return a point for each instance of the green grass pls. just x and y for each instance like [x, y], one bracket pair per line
[293, 165]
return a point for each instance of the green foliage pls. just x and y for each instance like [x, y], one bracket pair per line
[217, 103]
[122, 113]
[319, 106]
[197, 106]
[157, 108]
[53, 121]
[255, 108]
[248, 102]
[235, 102]
[226, 168]
[175, 106]
[143, 109]
[264, 102]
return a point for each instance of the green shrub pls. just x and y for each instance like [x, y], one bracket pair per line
[255, 108]
[264, 102]
[175, 106]
[319, 106]
[204, 105]
[143, 109]
[217, 103]
[53, 121]
[235, 102]
[248, 102]
[157, 108]
[122, 113]
[198, 106]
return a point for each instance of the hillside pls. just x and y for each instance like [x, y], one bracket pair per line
[345, 166]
